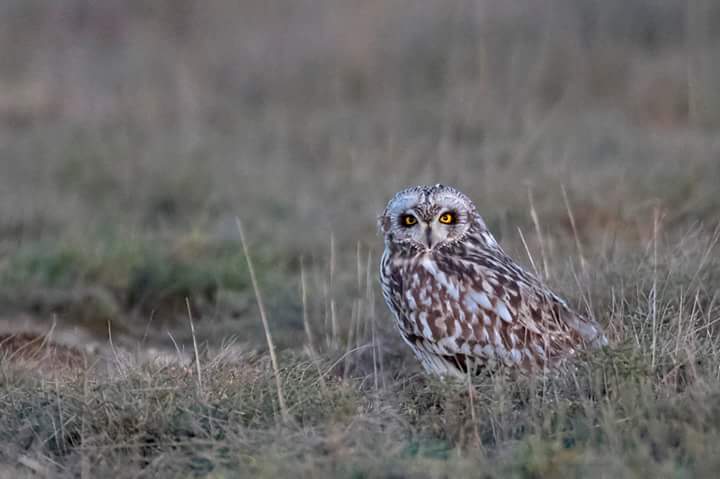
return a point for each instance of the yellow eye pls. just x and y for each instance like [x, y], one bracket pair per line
[409, 220]
[447, 219]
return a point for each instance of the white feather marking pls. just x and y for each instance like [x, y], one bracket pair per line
[442, 279]
[424, 297]
[485, 335]
[422, 293]
[489, 238]
[482, 299]
[502, 311]
[410, 300]
[412, 318]
[452, 290]
[429, 265]
[470, 305]
[422, 318]
[515, 355]
[448, 345]
[458, 329]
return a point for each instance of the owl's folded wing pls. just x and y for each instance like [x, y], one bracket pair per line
[466, 311]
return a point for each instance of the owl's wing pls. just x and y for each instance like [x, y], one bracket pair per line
[532, 320]
[487, 307]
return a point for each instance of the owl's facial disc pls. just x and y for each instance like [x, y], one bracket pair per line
[427, 217]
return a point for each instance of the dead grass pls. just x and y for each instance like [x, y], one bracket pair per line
[132, 136]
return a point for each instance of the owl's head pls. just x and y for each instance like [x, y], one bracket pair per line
[426, 217]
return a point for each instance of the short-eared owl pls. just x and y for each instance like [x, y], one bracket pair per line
[459, 300]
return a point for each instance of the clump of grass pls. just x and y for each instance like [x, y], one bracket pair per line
[241, 400]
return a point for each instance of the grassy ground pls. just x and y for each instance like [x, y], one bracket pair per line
[132, 136]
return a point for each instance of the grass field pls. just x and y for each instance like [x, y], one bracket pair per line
[133, 135]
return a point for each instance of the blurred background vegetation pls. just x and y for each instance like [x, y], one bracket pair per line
[133, 133]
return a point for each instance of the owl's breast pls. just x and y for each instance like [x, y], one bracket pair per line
[455, 308]
[426, 299]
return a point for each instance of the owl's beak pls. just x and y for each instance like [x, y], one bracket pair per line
[428, 236]
[431, 238]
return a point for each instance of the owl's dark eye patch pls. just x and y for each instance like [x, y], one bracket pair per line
[408, 220]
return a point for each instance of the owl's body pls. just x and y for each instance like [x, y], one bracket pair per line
[460, 302]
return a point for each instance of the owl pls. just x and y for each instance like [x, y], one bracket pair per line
[459, 301]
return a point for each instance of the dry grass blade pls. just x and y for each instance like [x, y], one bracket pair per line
[195, 348]
[571, 217]
[527, 251]
[266, 327]
[118, 362]
[654, 291]
[305, 315]
[538, 231]
[333, 314]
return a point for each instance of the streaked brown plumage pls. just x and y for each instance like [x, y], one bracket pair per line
[460, 302]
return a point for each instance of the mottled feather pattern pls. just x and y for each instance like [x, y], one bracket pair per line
[463, 303]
